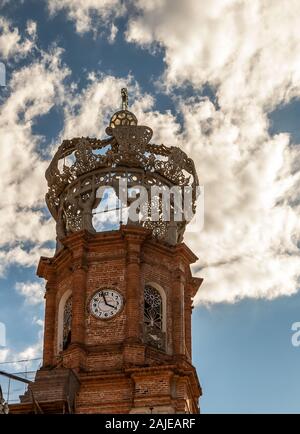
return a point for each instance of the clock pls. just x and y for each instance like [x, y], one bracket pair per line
[106, 303]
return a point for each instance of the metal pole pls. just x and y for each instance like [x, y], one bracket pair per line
[15, 377]
[8, 390]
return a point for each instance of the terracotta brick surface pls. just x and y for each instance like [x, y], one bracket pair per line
[116, 371]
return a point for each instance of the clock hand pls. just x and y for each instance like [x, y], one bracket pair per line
[107, 304]
[104, 298]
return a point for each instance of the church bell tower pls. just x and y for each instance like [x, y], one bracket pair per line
[119, 294]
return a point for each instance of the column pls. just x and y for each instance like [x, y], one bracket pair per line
[134, 289]
[178, 317]
[79, 279]
[134, 239]
[188, 322]
[49, 327]
[79, 245]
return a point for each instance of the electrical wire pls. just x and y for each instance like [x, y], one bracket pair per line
[20, 361]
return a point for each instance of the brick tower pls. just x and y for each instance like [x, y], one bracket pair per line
[118, 298]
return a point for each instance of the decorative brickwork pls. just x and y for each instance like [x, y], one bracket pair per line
[138, 359]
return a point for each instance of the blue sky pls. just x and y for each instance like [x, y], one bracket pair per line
[245, 357]
[207, 87]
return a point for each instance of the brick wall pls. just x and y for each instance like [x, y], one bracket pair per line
[117, 371]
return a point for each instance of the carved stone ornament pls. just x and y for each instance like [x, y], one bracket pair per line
[83, 164]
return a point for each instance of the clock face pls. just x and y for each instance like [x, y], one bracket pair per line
[106, 303]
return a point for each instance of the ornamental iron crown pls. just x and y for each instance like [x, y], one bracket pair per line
[82, 165]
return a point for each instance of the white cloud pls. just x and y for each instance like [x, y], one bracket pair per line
[25, 361]
[88, 15]
[21, 361]
[12, 44]
[33, 292]
[247, 49]
[113, 33]
[39, 322]
[16, 253]
[32, 91]
[248, 247]
[249, 244]
[249, 53]
[3, 354]
[87, 113]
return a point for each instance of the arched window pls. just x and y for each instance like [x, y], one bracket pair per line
[154, 317]
[67, 323]
[64, 321]
[152, 307]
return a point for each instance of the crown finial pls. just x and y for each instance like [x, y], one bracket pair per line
[124, 96]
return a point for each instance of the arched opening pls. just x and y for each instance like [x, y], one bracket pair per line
[64, 321]
[108, 213]
[155, 316]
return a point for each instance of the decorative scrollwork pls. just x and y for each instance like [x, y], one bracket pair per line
[123, 118]
[153, 318]
[81, 165]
